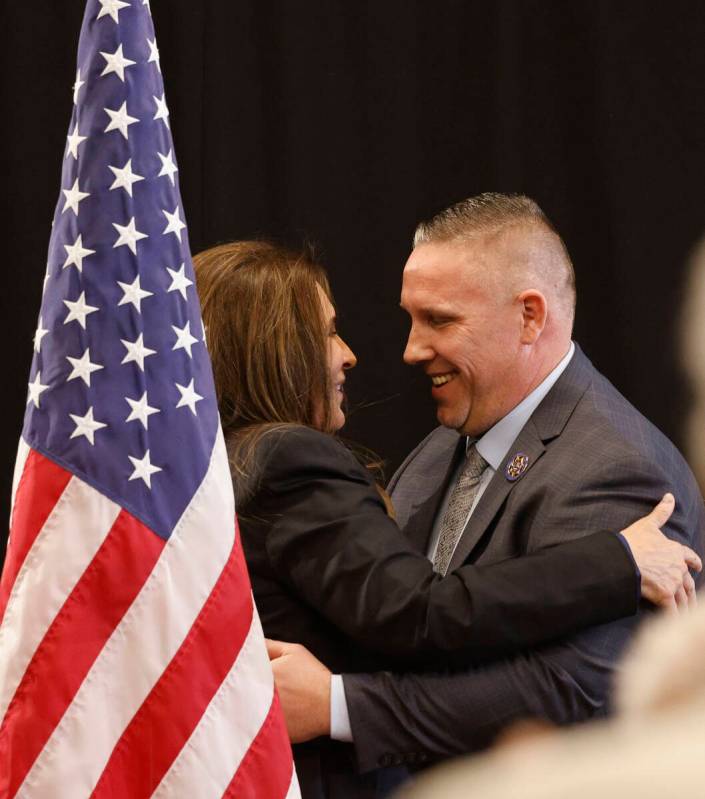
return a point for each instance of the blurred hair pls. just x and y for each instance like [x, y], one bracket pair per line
[692, 357]
[663, 669]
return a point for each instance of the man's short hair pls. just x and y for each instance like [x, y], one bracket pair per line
[481, 214]
[489, 213]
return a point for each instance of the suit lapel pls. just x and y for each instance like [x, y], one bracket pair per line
[546, 423]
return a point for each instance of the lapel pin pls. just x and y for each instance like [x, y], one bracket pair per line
[516, 467]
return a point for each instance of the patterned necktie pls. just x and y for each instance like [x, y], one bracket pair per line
[459, 505]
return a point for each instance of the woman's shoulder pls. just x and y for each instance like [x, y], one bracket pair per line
[293, 434]
[281, 451]
[291, 445]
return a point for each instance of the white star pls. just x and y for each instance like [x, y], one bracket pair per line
[74, 139]
[136, 351]
[179, 281]
[169, 168]
[75, 253]
[184, 339]
[125, 177]
[77, 86]
[162, 110]
[78, 310]
[119, 119]
[39, 334]
[111, 7]
[35, 390]
[73, 197]
[82, 367]
[134, 293]
[154, 53]
[189, 397]
[143, 469]
[116, 62]
[86, 425]
[174, 224]
[141, 410]
[129, 235]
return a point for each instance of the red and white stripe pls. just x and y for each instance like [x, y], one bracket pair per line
[131, 666]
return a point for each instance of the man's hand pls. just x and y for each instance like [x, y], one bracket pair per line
[665, 579]
[303, 683]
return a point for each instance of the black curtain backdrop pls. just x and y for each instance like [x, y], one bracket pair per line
[346, 123]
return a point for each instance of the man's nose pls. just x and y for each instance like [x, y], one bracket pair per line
[416, 349]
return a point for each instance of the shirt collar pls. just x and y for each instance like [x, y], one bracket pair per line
[495, 443]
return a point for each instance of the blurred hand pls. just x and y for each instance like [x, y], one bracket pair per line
[303, 684]
[664, 564]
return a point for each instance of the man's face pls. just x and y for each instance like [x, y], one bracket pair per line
[465, 331]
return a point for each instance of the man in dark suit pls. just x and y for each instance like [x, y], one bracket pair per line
[536, 447]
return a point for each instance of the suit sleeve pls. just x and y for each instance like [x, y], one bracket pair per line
[330, 539]
[414, 718]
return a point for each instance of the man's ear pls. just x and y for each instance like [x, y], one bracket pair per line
[534, 310]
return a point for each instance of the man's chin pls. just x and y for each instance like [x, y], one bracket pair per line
[449, 419]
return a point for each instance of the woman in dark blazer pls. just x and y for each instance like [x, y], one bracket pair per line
[329, 567]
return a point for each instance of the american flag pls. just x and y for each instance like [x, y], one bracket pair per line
[132, 661]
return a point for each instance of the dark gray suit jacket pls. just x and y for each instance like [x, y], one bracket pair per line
[595, 463]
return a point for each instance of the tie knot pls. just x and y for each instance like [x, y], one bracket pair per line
[475, 464]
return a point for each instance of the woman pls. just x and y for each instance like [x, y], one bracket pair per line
[329, 567]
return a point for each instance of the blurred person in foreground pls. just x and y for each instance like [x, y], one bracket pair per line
[541, 448]
[329, 567]
[650, 749]
[692, 359]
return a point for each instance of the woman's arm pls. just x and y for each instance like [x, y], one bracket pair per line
[329, 538]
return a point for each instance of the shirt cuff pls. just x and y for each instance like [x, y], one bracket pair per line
[340, 729]
[625, 544]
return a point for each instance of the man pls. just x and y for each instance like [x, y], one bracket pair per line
[535, 447]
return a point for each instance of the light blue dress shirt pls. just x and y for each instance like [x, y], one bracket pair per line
[493, 446]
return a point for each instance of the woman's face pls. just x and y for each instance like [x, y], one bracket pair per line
[340, 358]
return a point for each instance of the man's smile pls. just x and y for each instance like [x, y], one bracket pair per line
[441, 380]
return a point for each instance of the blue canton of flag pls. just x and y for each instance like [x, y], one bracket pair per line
[121, 391]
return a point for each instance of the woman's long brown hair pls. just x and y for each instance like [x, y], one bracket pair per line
[268, 344]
